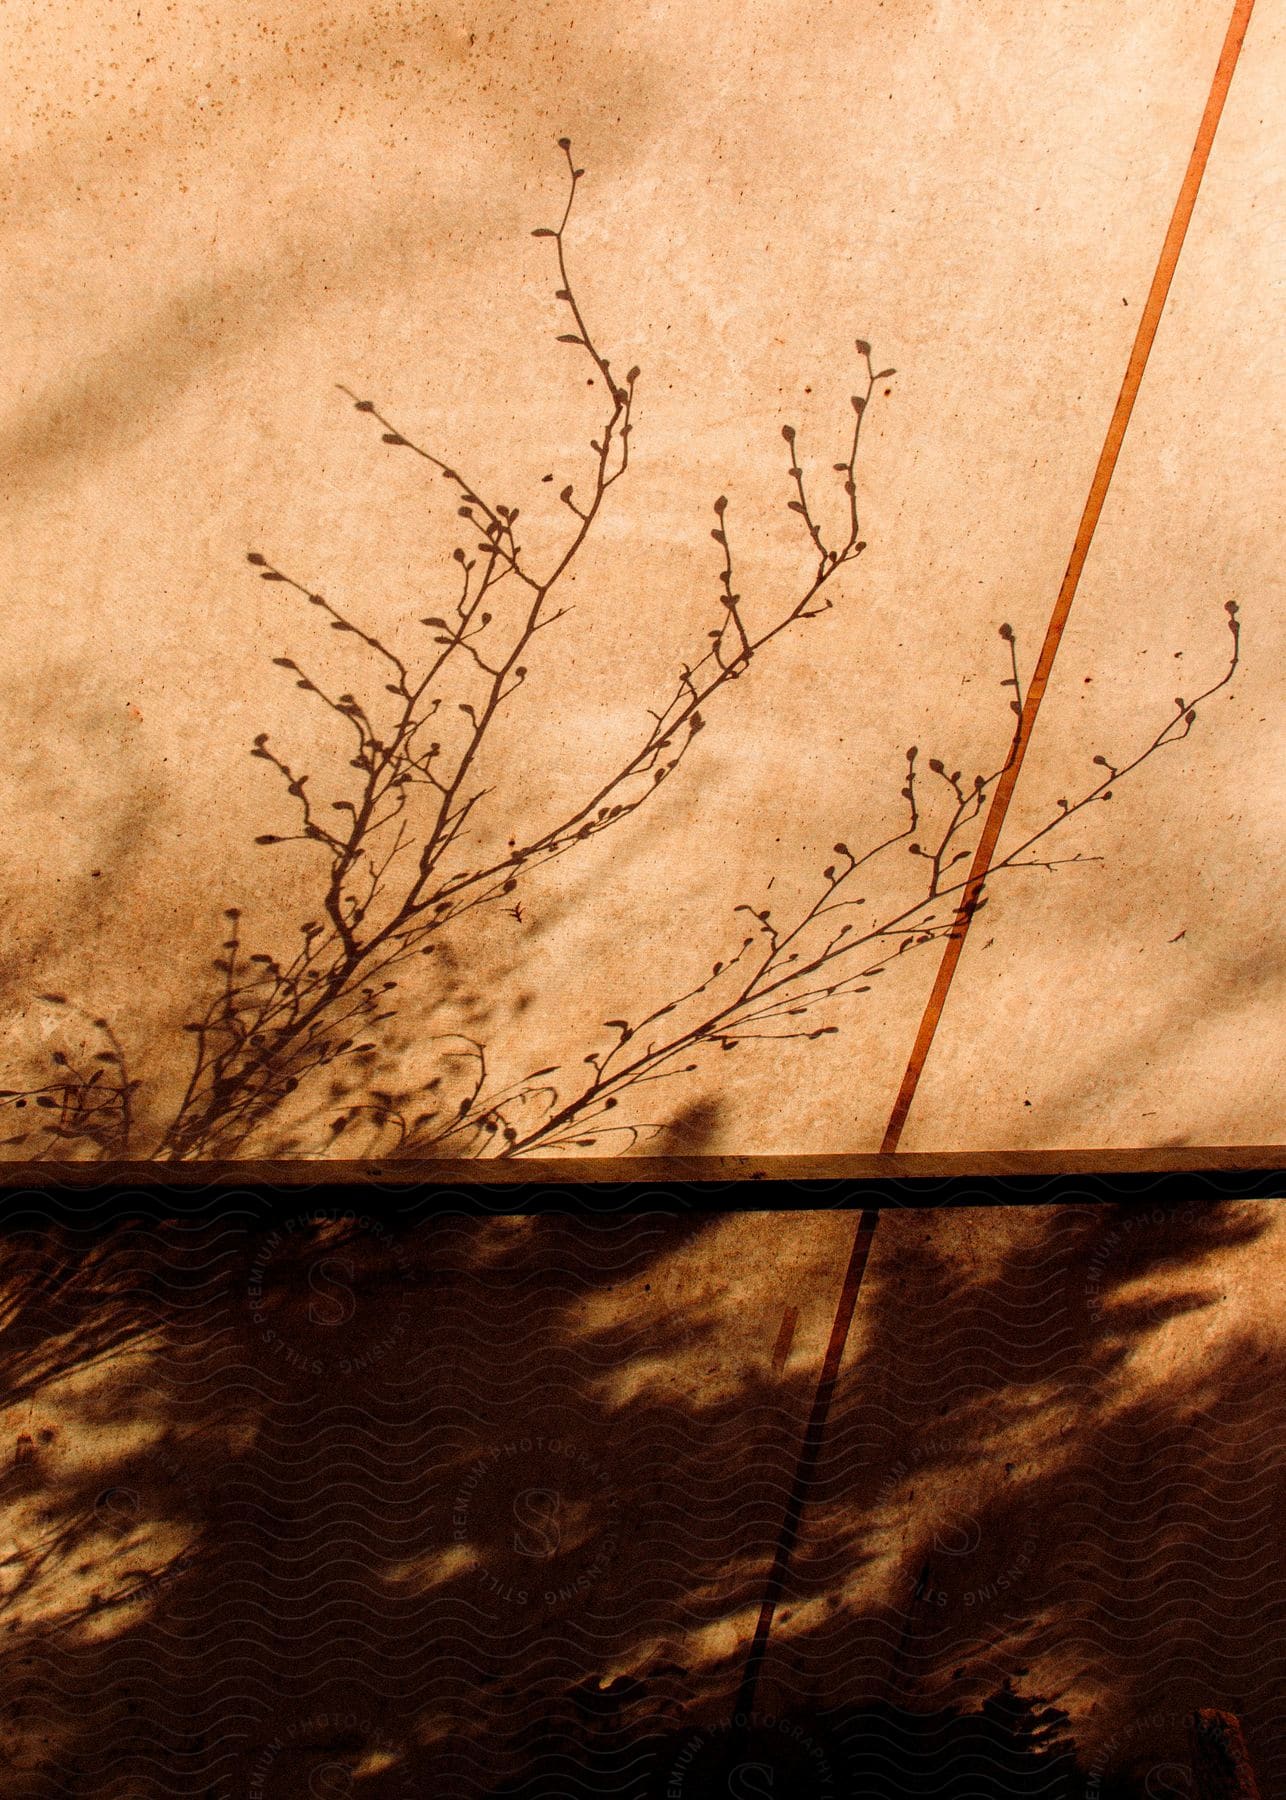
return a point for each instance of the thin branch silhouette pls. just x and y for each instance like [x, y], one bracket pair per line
[780, 973]
[394, 874]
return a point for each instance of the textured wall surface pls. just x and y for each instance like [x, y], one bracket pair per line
[485, 1507]
[215, 214]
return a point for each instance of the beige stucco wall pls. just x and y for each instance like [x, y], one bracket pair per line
[214, 216]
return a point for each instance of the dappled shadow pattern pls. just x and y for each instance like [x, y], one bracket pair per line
[486, 1506]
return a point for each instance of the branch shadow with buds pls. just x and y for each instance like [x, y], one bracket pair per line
[406, 847]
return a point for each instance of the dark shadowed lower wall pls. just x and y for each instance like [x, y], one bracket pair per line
[486, 1506]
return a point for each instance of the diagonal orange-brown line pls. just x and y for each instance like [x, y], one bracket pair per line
[1143, 340]
[806, 1464]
